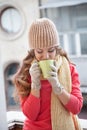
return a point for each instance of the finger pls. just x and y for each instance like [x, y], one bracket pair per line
[52, 74]
[34, 70]
[53, 68]
[34, 65]
[55, 64]
[37, 75]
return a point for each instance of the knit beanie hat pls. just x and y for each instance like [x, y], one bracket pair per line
[43, 33]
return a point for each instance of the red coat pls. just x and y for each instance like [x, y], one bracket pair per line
[37, 110]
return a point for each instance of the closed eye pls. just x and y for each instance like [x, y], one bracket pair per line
[52, 50]
[39, 51]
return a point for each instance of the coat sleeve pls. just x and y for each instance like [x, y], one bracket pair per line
[30, 106]
[76, 100]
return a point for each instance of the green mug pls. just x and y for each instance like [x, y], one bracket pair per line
[45, 67]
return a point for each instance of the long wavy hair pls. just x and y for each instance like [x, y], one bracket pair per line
[20, 79]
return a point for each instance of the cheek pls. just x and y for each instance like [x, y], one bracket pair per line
[53, 55]
[38, 56]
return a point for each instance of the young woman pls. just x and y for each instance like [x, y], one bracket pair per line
[52, 103]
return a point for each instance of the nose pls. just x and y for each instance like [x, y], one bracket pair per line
[46, 56]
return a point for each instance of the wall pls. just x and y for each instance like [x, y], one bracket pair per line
[14, 50]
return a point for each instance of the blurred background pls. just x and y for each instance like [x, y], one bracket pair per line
[70, 18]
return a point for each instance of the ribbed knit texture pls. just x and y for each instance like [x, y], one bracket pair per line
[43, 33]
[61, 118]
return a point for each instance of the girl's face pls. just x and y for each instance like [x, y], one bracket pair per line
[45, 53]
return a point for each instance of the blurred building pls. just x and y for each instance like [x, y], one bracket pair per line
[15, 18]
[70, 17]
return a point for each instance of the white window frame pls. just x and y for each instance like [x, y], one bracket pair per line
[3, 34]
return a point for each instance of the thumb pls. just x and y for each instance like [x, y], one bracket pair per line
[55, 63]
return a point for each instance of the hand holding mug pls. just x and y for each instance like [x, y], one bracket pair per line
[35, 73]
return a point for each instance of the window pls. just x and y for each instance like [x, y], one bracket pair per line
[9, 87]
[72, 44]
[71, 23]
[81, 23]
[12, 22]
[83, 40]
[54, 14]
[81, 27]
[61, 41]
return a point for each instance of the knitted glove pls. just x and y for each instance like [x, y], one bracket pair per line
[53, 79]
[35, 76]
